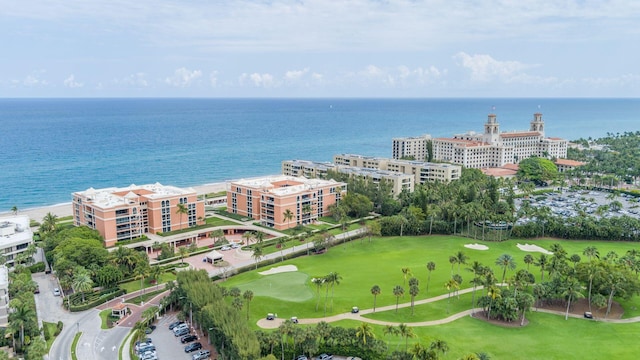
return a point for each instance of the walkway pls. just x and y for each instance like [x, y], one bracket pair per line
[272, 324]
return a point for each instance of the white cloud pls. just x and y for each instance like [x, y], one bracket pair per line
[258, 80]
[71, 82]
[399, 76]
[32, 80]
[183, 77]
[295, 75]
[485, 68]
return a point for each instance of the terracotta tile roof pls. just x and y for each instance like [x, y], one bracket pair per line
[467, 143]
[511, 166]
[499, 172]
[567, 162]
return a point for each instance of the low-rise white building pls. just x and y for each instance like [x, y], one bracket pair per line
[4, 296]
[15, 236]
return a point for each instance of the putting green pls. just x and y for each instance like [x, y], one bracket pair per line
[288, 286]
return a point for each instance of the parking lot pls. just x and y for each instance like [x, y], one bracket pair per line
[168, 347]
[571, 203]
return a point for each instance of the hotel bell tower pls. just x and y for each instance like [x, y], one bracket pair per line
[492, 130]
[537, 124]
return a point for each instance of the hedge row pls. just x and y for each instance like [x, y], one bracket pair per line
[92, 299]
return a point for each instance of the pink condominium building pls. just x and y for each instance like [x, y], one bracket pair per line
[272, 199]
[127, 213]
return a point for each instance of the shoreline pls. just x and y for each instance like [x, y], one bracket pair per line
[64, 209]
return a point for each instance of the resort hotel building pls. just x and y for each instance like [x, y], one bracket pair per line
[129, 212]
[15, 236]
[492, 148]
[4, 296]
[400, 174]
[282, 202]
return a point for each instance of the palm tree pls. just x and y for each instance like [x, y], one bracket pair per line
[236, 303]
[22, 314]
[451, 285]
[398, 291]
[318, 281]
[183, 252]
[542, 262]
[406, 272]
[389, 330]
[248, 296]
[156, 274]
[452, 260]
[288, 216]
[257, 254]
[591, 252]
[82, 281]
[259, 236]
[375, 291]
[14, 210]
[406, 332]
[505, 261]
[282, 243]
[247, 236]
[181, 209]
[571, 291]
[286, 329]
[529, 259]
[462, 259]
[364, 331]
[142, 271]
[334, 279]
[438, 345]
[48, 223]
[149, 314]
[430, 267]
[413, 290]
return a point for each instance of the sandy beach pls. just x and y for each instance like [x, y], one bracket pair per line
[61, 210]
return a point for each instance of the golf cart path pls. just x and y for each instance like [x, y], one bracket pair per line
[272, 324]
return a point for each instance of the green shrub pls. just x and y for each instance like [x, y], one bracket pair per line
[59, 327]
[36, 268]
[74, 302]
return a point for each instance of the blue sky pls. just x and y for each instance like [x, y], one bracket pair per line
[320, 48]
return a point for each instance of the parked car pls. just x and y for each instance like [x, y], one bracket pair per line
[181, 332]
[270, 316]
[201, 355]
[353, 358]
[302, 357]
[236, 246]
[36, 290]
[325, 357]
[149, 355]
[143, 343]
[188, 338]
[150, 329]
[192, 347]
[294, 319]
[146, 349]
[180, 327]
[355, 310]
[56, 292]
[174, 324]
[225, 248]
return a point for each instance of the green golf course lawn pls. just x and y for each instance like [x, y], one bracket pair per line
[362, 264]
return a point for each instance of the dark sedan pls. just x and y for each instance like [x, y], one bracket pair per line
[192, 347]
[188, 338]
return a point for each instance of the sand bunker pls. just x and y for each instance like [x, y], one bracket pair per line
[476, 246]
[533, 248]
[279, 269]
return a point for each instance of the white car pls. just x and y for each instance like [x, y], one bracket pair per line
[56, 292]
[236, 246]
[225, 248]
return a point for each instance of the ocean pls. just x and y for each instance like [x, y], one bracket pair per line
[53, 147]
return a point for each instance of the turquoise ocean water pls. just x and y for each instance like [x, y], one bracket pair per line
[53, 147]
